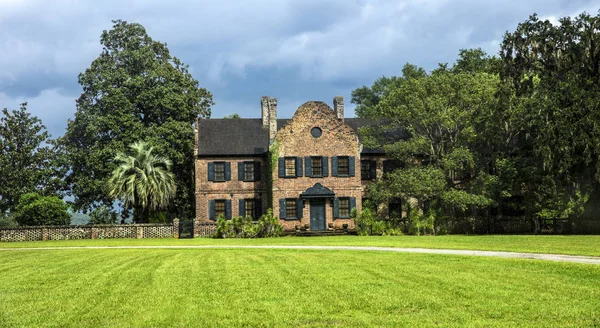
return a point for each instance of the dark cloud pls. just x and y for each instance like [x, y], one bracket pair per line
[240, 50]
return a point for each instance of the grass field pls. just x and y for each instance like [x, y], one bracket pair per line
[571, 245]
[258, 287]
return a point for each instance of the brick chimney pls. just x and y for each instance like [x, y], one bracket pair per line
[264, 106]
[338, 106]
[268, 106]
[272, 119]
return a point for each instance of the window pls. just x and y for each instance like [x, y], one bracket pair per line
[343, 168]
[219, 171]
[395, 209]
[367, 169]
[220, 208]
[290, 208]
[344, 207]
[317, 166]
[249, 211]
[249, 171]
[290, 166]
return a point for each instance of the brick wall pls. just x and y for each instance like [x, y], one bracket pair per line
[337, 139]
[233, 189]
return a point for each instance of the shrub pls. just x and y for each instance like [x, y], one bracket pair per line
[103, 215]
[419, 224]
[7, 220]
[243, 227]
[34, 209]
[367, 223]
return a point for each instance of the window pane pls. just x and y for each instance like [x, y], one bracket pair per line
[290, 208]
[365, 170]
[249, 208]
[220, 171]
[290, 167]
[344, 207]
[343, 165]
[219, 208]
[316, 164]
[249, 171]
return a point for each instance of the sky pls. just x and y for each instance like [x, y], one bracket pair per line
[241, 50]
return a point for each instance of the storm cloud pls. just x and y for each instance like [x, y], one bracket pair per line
[241, 50]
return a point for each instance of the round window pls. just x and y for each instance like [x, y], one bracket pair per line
[316, 132]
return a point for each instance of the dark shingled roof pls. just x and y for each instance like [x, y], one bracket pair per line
[246, 136]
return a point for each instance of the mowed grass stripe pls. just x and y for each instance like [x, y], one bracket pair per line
[567, 245]
[234, 287]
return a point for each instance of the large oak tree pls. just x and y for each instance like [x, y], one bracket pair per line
[135, 90]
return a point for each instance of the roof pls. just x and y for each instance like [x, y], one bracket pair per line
[317, 191]
[246, 136]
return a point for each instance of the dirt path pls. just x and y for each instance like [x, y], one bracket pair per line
[512, 255]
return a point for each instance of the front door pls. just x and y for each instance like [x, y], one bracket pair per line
[317, 214]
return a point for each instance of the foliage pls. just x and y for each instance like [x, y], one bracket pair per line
[103, 215]
[142, 180]
[34, 209]
[440, 115]
[420, 223]
[233, 116]
[551, 87]
[7, 220]
[135, 90]
[29, 160]
[243, 227]
[368, 223]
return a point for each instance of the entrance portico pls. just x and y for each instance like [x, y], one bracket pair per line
[317, 196]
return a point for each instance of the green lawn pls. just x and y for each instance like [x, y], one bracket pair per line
[258, 287]
[573, 245]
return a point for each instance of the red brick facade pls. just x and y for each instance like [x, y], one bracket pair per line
[324, 150]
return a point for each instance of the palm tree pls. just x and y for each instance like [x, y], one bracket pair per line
[142, 180]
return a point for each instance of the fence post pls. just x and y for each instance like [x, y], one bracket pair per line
[140, 232]
[195, 228]
[175, 228]
[44, 233]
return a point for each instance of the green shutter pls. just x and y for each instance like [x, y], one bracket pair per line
[336, 207]
[282, 208]
[307, 166]
[211, 210]
[373, 167]
[299, 207]
[334, 166]
[241, 171]
[257, 208]
[281, 167]
[242, 207]
[298, 166]
[227, 171]
[228, 209]
[325, 164]
[351, 166]
[211, 171]
[257, 172]
[352, 204]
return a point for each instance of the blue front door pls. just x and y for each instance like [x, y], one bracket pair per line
[317, 214]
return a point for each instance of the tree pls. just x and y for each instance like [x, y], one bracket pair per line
[142, 180]
[232, 116]
[103, 215]
[553, 72]
[439, 114]
[29, 160]
[34, 209]
[135, 90]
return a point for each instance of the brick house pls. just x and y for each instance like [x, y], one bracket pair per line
[310, 169]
